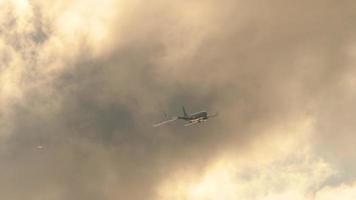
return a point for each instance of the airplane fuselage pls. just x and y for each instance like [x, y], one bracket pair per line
[193, 119]
[202, 115]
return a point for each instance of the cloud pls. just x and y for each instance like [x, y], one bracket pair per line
[87, 79]
[288, 171]
[284, 170]
[343, 191]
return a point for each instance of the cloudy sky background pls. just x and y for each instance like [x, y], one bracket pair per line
[86, 79]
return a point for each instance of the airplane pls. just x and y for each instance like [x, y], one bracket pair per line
[193, 119]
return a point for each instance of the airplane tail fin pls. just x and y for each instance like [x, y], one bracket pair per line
[184, 112]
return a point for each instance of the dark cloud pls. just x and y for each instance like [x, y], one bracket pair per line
[258, 63]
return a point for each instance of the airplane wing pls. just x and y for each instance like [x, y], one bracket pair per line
[165, 122]
[213, 115]
[191, 123]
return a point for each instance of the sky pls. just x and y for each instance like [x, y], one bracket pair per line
[82, 82]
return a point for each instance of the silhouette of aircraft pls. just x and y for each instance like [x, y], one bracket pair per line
[193, 119]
